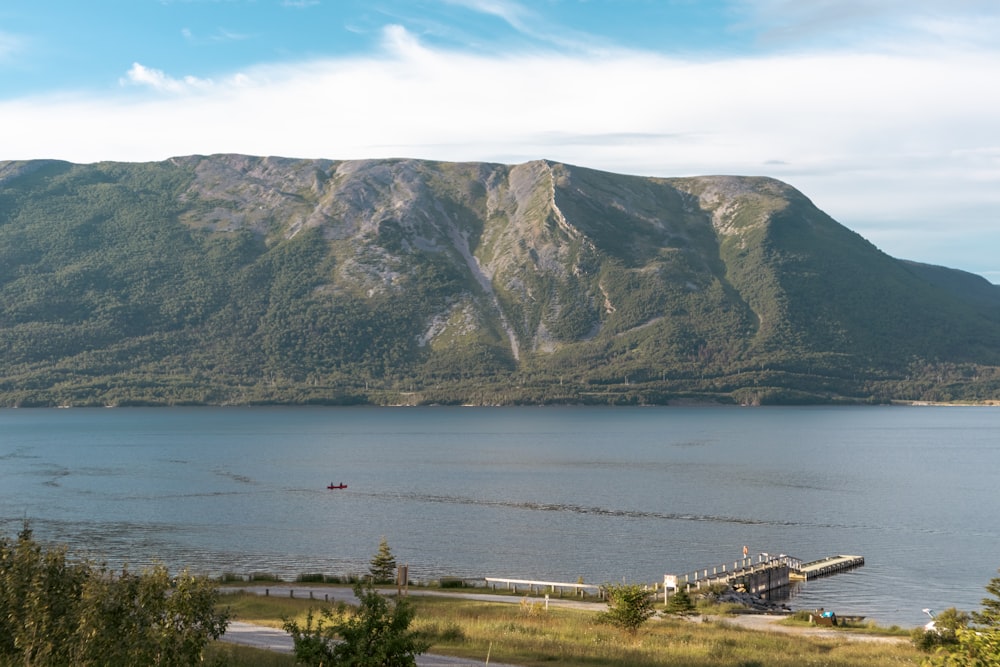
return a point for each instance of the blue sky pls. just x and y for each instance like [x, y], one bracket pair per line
[886, 113]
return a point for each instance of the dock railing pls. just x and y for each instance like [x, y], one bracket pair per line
[534, 586]
[726, 572]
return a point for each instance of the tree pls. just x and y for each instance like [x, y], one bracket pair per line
[55, 611]
[165, 621]
[313, 643]
[383, 565]
[680, 603]
[976, 645]
[377, 634]
[629, 606]
[39, 601]
[990, 614]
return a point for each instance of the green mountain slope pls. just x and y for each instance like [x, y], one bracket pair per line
[236, 279]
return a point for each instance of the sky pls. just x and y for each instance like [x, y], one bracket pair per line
[885, 113]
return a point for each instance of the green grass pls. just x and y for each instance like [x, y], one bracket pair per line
[527, 634]
[801, 619]
[231, 654]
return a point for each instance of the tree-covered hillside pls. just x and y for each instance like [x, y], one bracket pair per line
[234, 279]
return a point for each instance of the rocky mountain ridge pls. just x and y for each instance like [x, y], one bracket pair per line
[232, 278]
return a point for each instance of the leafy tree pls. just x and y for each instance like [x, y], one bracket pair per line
[313, 643]
[167, 621]
[377, 634]
[39, 594]
[383, 564]
[629, 606]
[55, 611]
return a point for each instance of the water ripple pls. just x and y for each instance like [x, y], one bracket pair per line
[589, 510]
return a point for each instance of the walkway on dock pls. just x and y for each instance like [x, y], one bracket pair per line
[763, 573]
[827, 566]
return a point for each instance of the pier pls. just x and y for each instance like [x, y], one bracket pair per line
[763, 573]
[827, 566]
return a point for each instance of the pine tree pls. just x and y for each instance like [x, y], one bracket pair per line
[990, 615]
[680, 603]
[383, 565]
[629, 606]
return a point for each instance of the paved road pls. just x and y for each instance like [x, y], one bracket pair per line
[274, 639]
[343, 594]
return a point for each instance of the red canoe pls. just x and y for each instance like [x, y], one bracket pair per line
[336, 486]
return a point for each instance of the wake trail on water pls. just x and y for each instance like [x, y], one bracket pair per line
[589, 510]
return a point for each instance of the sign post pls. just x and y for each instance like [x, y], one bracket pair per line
[669, 583]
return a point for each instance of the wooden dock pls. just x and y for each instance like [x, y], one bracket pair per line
[763, 573]
[758, 575]
[827, 566]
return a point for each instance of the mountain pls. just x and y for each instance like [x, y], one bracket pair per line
[232, 279]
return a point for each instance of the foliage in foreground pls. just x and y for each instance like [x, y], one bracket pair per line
[55, 611]
[960, 643]
[377, 634]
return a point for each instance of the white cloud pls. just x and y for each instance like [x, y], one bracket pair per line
[882, 25]
[141, 75]
[880, 141]
[10, 44]
[533, 25]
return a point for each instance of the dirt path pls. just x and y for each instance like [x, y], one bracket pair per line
[769, 623]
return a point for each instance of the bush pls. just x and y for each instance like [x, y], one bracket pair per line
[374, 635]
[54, 611]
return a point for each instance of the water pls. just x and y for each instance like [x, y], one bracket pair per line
[607, 494]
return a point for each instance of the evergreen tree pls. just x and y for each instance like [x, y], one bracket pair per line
[383, 565]
[990, 614]
[680, 603]
[629, 606]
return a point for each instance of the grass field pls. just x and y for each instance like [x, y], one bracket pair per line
[527, 634]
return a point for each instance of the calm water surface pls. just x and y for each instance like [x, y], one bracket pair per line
[557, 493]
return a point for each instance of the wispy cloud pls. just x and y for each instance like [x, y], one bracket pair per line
[220, 35]
[140, 75]
[10, 44]
[884, 25]
[533, 25]
[512, 13]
